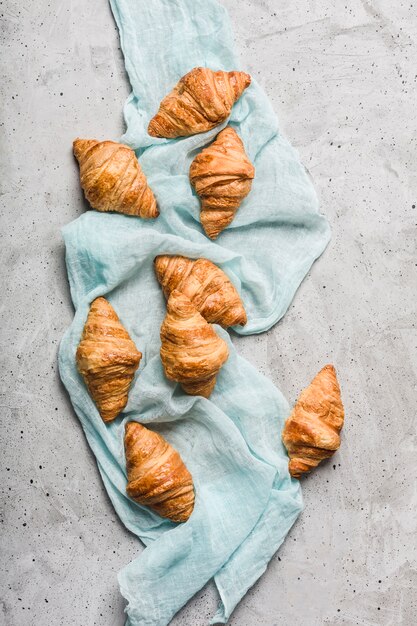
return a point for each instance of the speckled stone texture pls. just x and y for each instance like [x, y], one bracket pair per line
[342, 78]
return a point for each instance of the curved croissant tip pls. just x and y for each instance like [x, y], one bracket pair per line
[297, 468]
[82, 145]
[101, 300]
[160, 263]
[157, 262]
[153, 128]
[132, 426]
[243, 319]
[103, 306]
[327, 375]
[246, 78]
[228, 130]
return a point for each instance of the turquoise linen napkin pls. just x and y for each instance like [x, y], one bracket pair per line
[245, 499]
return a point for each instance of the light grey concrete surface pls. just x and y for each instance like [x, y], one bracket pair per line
[342, 78]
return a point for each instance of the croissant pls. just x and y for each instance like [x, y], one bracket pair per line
[157, 476]
[107, 359]
[311, 433]
[201, 100]
[112, 178]
[191, 352]
[205, 284]
[222, 176]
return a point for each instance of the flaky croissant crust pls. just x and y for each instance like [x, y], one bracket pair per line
[112, 178]
[311, 433]
[222, 176]
[191, 351]
[205, 284]
[157, 476]
[201, 100]
[107, 359]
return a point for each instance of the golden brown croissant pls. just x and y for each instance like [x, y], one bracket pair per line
[222, 176]
[205, 284]
[191, 351]
[201, 100]
[157, 476]
[311, 433]
[112, 178]
[107, 358]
